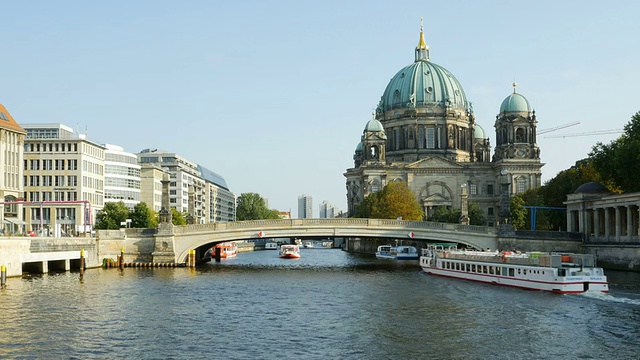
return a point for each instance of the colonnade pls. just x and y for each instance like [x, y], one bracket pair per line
[602, 223]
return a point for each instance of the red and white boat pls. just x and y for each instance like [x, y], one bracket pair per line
[289, 252]
[560, 273]
[228, 250]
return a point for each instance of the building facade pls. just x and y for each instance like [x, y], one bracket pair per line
[121, 176]
[63, 180]
[151, 177]
[212, 200]
[424, 133]
[305, 207]
[11, 182]
[327, 211]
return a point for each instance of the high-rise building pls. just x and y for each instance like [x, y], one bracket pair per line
[327, 211]
[121, 176]
[11, 182]
[63, 180]
[305, 207]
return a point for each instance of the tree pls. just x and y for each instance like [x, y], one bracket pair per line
[476, 216]
[141, 216]
[251, 206]
[394, 201]
[445, 215]
[518, 213]
[178, 218]
[111, 215]
[617, 162]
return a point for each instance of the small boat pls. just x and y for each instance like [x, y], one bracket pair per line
[308, 244]
[401, 252]
[271, 246]
[562, 273]
[289, 251]
[228, 250]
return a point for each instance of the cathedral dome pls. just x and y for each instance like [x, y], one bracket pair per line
[423, 84]
[374, 126]
[359, 148]
[478, 132]
[515, 103]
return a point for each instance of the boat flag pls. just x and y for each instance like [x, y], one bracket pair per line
[261, 234]
[411, 234]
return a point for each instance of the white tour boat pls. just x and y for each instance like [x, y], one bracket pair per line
[558, 273]
[401, 252]
[289, 251]
[271, 246]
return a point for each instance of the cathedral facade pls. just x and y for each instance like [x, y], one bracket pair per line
[424, 133]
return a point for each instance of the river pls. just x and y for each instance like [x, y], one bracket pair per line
[327, 305]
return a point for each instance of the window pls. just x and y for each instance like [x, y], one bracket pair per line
[490, 189]
[490, 211]
[473, 189]
[521, 185]
[431, 138]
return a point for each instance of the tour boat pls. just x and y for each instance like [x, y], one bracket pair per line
[227, 250]
[271, 246]
[289, 251]
[397, 252]
[562, 273]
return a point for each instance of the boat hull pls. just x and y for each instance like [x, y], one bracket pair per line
[569, 285]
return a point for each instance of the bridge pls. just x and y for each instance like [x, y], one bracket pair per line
[172, 243]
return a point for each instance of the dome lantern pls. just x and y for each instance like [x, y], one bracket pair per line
[422, 50]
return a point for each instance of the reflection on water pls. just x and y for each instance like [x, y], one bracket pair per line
[327, 304]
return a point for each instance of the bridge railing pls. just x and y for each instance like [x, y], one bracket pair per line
[292, 223]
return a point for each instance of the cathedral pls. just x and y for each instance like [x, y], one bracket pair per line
[424, 133]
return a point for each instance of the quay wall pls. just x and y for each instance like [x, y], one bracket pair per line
[624, 257]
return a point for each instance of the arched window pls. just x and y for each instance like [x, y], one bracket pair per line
[521, 185]
[375, 186]
[520, 136]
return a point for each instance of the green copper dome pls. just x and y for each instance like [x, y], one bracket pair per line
[374, 126]
[423, 84]
[478, 132]
[515, 103]
[359, 147]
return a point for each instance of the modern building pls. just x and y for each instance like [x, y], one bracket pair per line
[305, 207]
[11, 183]
[327, 211]
[121, 176]
[213, 201]
[424, 133]
[63, 180]
[151, 177]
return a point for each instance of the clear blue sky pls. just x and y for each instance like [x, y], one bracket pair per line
[274, 95]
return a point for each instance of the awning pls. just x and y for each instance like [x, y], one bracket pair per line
[14, 221]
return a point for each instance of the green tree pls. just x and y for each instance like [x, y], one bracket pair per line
[141, 216]
[476, 215]
[445, 215]
[394, 201]
[518, 213]
[617, 162]
[251, 206]
[111, 215]
[178, 218]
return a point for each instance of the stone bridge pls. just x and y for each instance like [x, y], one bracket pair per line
[171, 243]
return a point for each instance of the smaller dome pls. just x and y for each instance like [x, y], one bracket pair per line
[374, 126]
[478, 132]
[359, 147]
[515, 103]
[591, 188]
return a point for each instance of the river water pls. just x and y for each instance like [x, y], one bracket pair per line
[327, 305]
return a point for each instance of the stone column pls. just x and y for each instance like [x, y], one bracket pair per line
[629, 224]
[191, 203]
[618, 223]
[464, 205]
[165, 210]
[596, 222]
[569, 221]
[607, 224]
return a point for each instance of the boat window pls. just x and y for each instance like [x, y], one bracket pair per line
[468, 267]
[511, 272]
[519, 271]
[562, 272]
[491, 270]
[484, 269]
[457, 266]
[473, 268]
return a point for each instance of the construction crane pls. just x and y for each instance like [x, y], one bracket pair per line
[544, 131]
[589, 133]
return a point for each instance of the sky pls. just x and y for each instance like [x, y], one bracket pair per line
[274, 95]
